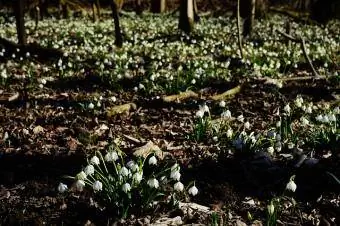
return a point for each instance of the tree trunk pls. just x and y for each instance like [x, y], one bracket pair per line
[119, 4]
[95, 6]
[138, 7]
[249, 18]
[118, 33]
[94, 17]
[187, 16]
[19, 8]
[43, 7]
[158, 6]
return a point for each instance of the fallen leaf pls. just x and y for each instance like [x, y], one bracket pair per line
[147, 149]
[38, 129]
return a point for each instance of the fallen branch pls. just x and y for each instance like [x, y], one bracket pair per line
[303, 46]
[181, 96]
[227, 94]
[124, 108]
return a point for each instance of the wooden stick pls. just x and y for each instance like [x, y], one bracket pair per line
[239, 29]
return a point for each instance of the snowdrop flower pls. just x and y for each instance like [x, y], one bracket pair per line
[141, 86]
[319, 118]
[94, 160]
[309, 110]
[132, 166]
[226, 114]
[270, 150]
[332, 117]
[193, 190]
[81, 176]
[229, 133]
[199, 114]
[222, 104]
[126, 187]
[137, 177]
[325, 119]
[271, 209]
[204, 108]
[124, 171]
[299, 102]
[176, 175]
[178, 186]
[97, 186]
[193, 81]
[336, 110]
[291, 186]
[89, 170]
[113, 99]
[80, 184]
[62, 188]
[153, 183]
[247, 125]
[304, 121]
[153, 161]
[278, 124]
[215, 138]
[91, 106]
[111, 156]
[287, 109]
[240, 118]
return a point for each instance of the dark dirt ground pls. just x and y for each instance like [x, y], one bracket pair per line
[32, 165]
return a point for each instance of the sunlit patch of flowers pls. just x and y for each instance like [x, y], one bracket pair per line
[300, 124]
[164, 60]
[126, 186]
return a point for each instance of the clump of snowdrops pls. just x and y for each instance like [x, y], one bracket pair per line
[131, 186]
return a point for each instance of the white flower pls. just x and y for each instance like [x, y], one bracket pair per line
[332, 117]
[287, 109]
[336, 110]
[153, 183]
[91, 106]
[153, 160]
[271, 209]
[325, 119]
[278, 124]
[229, 133]
[132, 166]
[215, 138]
[240, 118]
[126, 187]
[137, 177]
[226, 114]
[124, 171]
[62, 188]
[111, 156]
[193, 190]
[247, 125]
[97, 186]
[222, 104]
[270, 150]
[141, 86]
[291, 186]
[309, 110]
[89, 170]
[204, 108]
[193, 81]
[299, 102]
[199, 114]
[176, 175]
[81, 176]
[113, 99]
[178, 186]
[304, 121]
[319, 118]
[94, 160]
[80, 184]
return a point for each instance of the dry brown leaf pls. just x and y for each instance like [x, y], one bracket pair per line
[38, 129]
[124, 108]
[72, 143]
[147, 149]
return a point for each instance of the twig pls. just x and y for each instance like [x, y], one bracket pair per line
[239, 29]
[303, 46]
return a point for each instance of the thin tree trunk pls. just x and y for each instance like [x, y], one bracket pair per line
[250, 18]
[239, 29]
[118, 33]
[98, 8]
[138, 7]
[94, 17]
[186, 16]
[158, 6]
[20, 21]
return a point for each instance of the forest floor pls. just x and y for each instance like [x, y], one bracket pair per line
[48, 134]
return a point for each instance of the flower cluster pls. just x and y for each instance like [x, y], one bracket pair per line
[134, 186]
